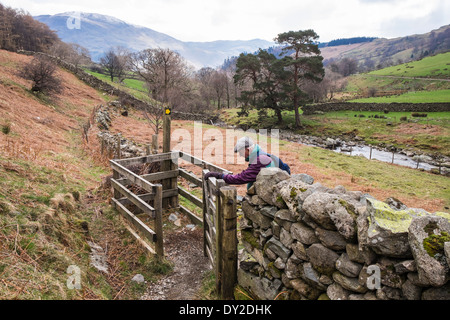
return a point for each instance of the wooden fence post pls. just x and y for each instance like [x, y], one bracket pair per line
[167, 164]
[155, 144]
[119, 151]
[159, 245]
[227, 259]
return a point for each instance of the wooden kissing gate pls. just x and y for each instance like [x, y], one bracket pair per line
[219, 202]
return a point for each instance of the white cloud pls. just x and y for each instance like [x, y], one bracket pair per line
[207, 20]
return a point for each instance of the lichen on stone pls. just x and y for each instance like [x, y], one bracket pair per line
[397, 221]
[434, 244]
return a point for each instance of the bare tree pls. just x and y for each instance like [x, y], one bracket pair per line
[204, 76]
[110, 63]
[164, 72]
[78, 55]
[219, 85]
[116, 62]
[41, 71]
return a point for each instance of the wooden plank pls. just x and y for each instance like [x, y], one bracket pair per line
[184, 193]
[137, 201]
[210, 256]
[148, 233]
[132, 177]
[212, 205]
[194, 218]
[149, 196]
[202, 163]
[174, 202]
[147, 159]
[160, 175]
[138, 238]
[205, 209]
[190, 177]
[229, 241]
[159, 245]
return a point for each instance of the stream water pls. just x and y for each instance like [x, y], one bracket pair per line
[386, 156]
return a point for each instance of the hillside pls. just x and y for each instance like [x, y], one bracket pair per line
[437, 66]
[382, 51]
[98, 33]
[425, 80]
[52, 205]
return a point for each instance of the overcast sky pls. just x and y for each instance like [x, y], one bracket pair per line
[208, 20]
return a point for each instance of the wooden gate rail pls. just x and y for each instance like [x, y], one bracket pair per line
[218, 204]
[195, 180]
[220, 232]
[123, 177]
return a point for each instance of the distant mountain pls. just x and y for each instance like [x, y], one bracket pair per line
[98, 33]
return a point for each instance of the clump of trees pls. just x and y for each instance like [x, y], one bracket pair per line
[19, 31]
[281, 84]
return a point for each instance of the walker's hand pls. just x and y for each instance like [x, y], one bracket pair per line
[213, 174]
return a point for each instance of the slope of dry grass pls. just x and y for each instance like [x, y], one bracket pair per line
[51, 197]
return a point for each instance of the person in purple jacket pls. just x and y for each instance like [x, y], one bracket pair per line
[256, 158]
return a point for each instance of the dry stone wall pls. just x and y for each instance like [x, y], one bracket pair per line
[305, 241]
[392, 107]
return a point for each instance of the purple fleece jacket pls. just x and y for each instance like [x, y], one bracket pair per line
[249, 174]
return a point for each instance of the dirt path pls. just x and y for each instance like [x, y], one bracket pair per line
[184, 249]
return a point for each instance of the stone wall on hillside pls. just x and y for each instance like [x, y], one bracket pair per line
[305, 241]
[392, 107]
[124, 97]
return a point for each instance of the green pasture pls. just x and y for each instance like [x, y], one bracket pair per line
[441, 96]
[437, 66]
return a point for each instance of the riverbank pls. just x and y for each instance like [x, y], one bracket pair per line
[438, 164]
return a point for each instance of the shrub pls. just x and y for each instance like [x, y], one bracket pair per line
[419, 115]
[6, 128]
[41, 71]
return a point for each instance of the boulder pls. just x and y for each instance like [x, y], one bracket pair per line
[288, 191]
[333, 212]
[306, 290]
[336, 292]
[255, 216]
[266, 180]
[331, 239]
[306, 178]
[427, 238]
[303, 233]
[278, 248]
[351, 284]
[348, 267]
[441, 293]
[385, 230]
[262, 288]
[322, 258]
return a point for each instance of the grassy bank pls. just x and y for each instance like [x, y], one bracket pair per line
[414, 187]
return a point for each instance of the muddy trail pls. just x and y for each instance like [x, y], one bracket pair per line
[183, 248]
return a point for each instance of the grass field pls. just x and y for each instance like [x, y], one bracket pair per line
[132, 86]
[411, 97]
[437, 66]
[425, 80]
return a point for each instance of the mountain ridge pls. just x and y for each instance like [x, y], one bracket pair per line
[98, 32]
